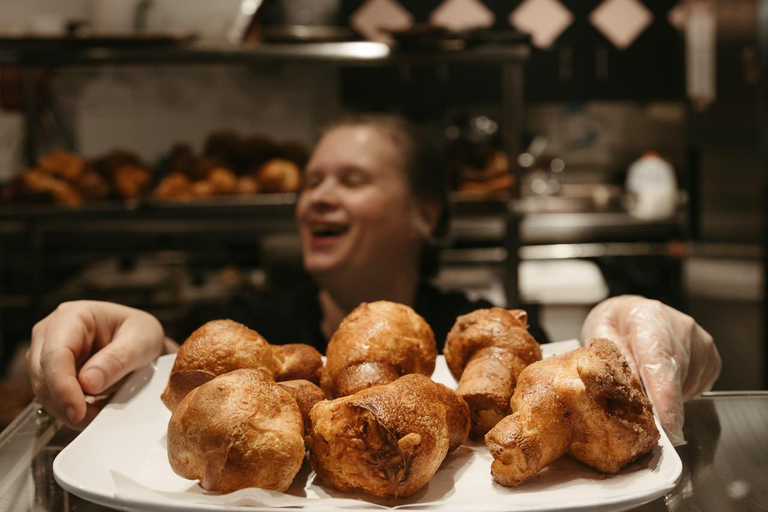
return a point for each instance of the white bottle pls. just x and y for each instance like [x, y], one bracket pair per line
[651, 188]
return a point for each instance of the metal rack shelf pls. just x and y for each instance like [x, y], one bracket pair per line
[142, 224]
[353, 52]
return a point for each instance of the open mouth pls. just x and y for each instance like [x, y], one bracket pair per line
[326, 234]
[329, 231]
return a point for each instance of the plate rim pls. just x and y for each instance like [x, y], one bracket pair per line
[106, 497]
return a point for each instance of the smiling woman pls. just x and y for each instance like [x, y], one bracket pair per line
[361, 222]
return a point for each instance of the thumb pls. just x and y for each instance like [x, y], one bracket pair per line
[133, 346]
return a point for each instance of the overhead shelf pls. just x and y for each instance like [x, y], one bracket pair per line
[353, 52]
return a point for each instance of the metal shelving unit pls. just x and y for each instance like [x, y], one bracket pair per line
[143, 225]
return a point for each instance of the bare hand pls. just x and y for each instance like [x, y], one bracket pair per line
[674, 357]
[83, 348]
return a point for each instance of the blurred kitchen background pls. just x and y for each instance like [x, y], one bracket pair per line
[640, 133]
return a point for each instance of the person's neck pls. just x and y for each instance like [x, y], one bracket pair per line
[337, 300]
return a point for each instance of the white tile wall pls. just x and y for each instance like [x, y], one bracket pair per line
[148, 109]
[22, 15]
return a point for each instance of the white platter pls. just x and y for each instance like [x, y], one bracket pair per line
[120, 461]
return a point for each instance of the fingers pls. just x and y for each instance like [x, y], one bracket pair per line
[72, 410]
[666, 398]
[606, 320]
[661, 352]
[705, 365]
[67, 340]
[136, 342]
[37, 376]
[117, 339]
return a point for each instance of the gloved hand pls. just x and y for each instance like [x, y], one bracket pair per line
[673, 356]
[83, 348]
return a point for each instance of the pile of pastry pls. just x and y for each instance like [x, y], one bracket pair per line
[231, 164]
[245, 412]
[64, 178]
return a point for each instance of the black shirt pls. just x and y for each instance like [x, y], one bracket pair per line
[294, 315]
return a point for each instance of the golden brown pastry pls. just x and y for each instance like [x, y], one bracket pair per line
[502, 183]
[246, 185]
[41, 186]
[131, 181]
[221, 346]
[63, 165]
[297, 361]
[386, 440]
[279, 175]
[92, 186]
[202, 188]
[174, 186]
[222, 180]
[486, 350]
[377, 343]
[238, 430]
[586, 403]
[109, 163]
[217, 347]
[306, 395]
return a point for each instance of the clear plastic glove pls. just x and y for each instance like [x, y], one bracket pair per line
[83, 348]
[673, 356]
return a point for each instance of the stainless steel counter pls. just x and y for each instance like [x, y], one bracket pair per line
[725, 463]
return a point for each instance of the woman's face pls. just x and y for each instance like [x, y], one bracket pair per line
[355, 212]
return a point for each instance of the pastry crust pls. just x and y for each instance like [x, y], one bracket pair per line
[238, 430]
[486, 350]
[279, 175]
[217, 347]
[375, 344]
[306, 395]
[386, 440]
[297, 361]
[586, 403]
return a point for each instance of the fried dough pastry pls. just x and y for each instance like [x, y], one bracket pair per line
[306, 395]
[279, 175]
[238, 430]
[297, 361]
[217, 347]
[386, 440]
[131, 181]
[175, 185]
[62, 164]
[377, 343]
[486, 350]
[586, 403]
[221, 346]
